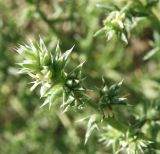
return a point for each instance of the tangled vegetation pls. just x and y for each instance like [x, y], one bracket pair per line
[95, 65]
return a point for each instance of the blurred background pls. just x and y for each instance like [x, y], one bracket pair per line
[25, 128]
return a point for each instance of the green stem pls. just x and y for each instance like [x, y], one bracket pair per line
[110, 120]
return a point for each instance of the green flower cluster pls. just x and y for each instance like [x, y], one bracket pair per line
[47, 68]
[130, 142]
[109, 97]
[120, 21]
[114, 24]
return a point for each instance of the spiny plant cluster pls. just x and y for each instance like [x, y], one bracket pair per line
[49, 71]
[120, 21]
